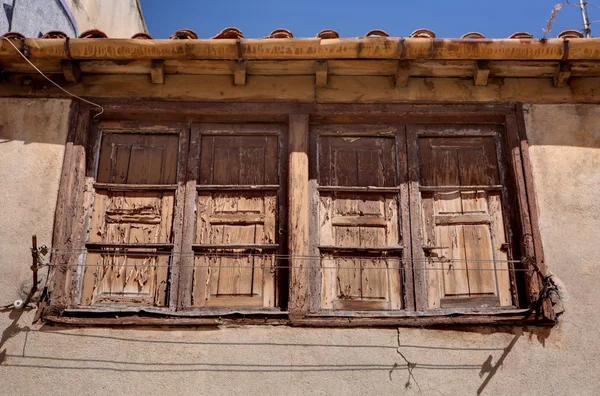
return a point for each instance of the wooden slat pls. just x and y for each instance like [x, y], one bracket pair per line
[298, 222]
[496, 187]
[471, 302]
[462, 219]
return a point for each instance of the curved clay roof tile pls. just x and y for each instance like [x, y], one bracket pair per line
[142, 36]
[423, 33]
[281, 33]
[14, 36]
[55, 34]
[570, 34]
[473, 35]
[230, 33]
[184, 34]
[93, 33]
[377, 33]
[328, 34]
[521, 35]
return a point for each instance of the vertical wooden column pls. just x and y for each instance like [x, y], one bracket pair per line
[298, 210]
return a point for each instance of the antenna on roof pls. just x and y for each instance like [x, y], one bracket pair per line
[587, 30]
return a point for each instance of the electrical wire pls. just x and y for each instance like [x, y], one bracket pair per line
[55, 84]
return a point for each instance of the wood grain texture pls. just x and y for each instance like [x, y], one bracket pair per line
[298, 209]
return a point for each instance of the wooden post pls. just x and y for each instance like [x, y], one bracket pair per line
[562, 74]
[321, 73]
[71, 70]
[157, 71]
[298, 229]
[34, 261]
[402, 73]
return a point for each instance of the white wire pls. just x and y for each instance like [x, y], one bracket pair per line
[55, 84]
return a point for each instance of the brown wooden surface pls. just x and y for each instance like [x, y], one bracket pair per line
[466, 225]
[298, 212]
[240, 218]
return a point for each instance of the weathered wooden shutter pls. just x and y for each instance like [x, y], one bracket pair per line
[236, 235]
[359, 237]
[130, 239]
[463, 232]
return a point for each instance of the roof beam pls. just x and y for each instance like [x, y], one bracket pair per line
[239, 72]
[321, 73]
[482, 72]
[402, 73]
[71, 70]
[157, 71]
[562, 74]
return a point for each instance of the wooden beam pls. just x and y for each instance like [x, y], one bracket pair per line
[482, 71]
[402, 73]
[157, 71]
[298, 219]
[562, 74]
[71, 70]
[239, 72]
[321, 73]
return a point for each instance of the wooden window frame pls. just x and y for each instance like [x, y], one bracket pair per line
[77, 186]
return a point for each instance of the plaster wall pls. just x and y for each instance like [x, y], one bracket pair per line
[116, 18]
[565, 154]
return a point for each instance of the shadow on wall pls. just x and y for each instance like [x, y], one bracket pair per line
[407, 369]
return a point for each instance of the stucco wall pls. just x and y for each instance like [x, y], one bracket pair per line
[565, 151]
[116, 18]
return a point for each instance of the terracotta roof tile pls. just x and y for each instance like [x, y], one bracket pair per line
[230, 33]
[142, 36]
[184, 34]
[55, 34]
[281, 33]
[377, 33]
[473, 35]
[328, 34]
[521, 35]
[14, 36]
[570, 34]
[93, 33]
[423, 33]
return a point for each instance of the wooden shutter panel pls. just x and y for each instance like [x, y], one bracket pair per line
[236, 226]
[130, 237]
[359, 230]
[463, 222]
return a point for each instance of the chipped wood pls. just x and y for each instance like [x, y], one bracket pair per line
[298, 222]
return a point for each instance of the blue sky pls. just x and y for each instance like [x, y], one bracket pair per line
[353, 18]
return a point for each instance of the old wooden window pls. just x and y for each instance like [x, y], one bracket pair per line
[237, 233]
[361, 242]
[459, 177]
[391, 220]
[130, 241]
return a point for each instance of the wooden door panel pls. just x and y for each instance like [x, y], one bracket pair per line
[464, 226]
[239, 160]
[138, 159]
[231, 276]
[132, 278]
[357, 161]
[128, 274]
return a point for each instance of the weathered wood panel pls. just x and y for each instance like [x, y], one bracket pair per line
[236, 217]
[352, 278]
[133, 275]
[464, 227]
